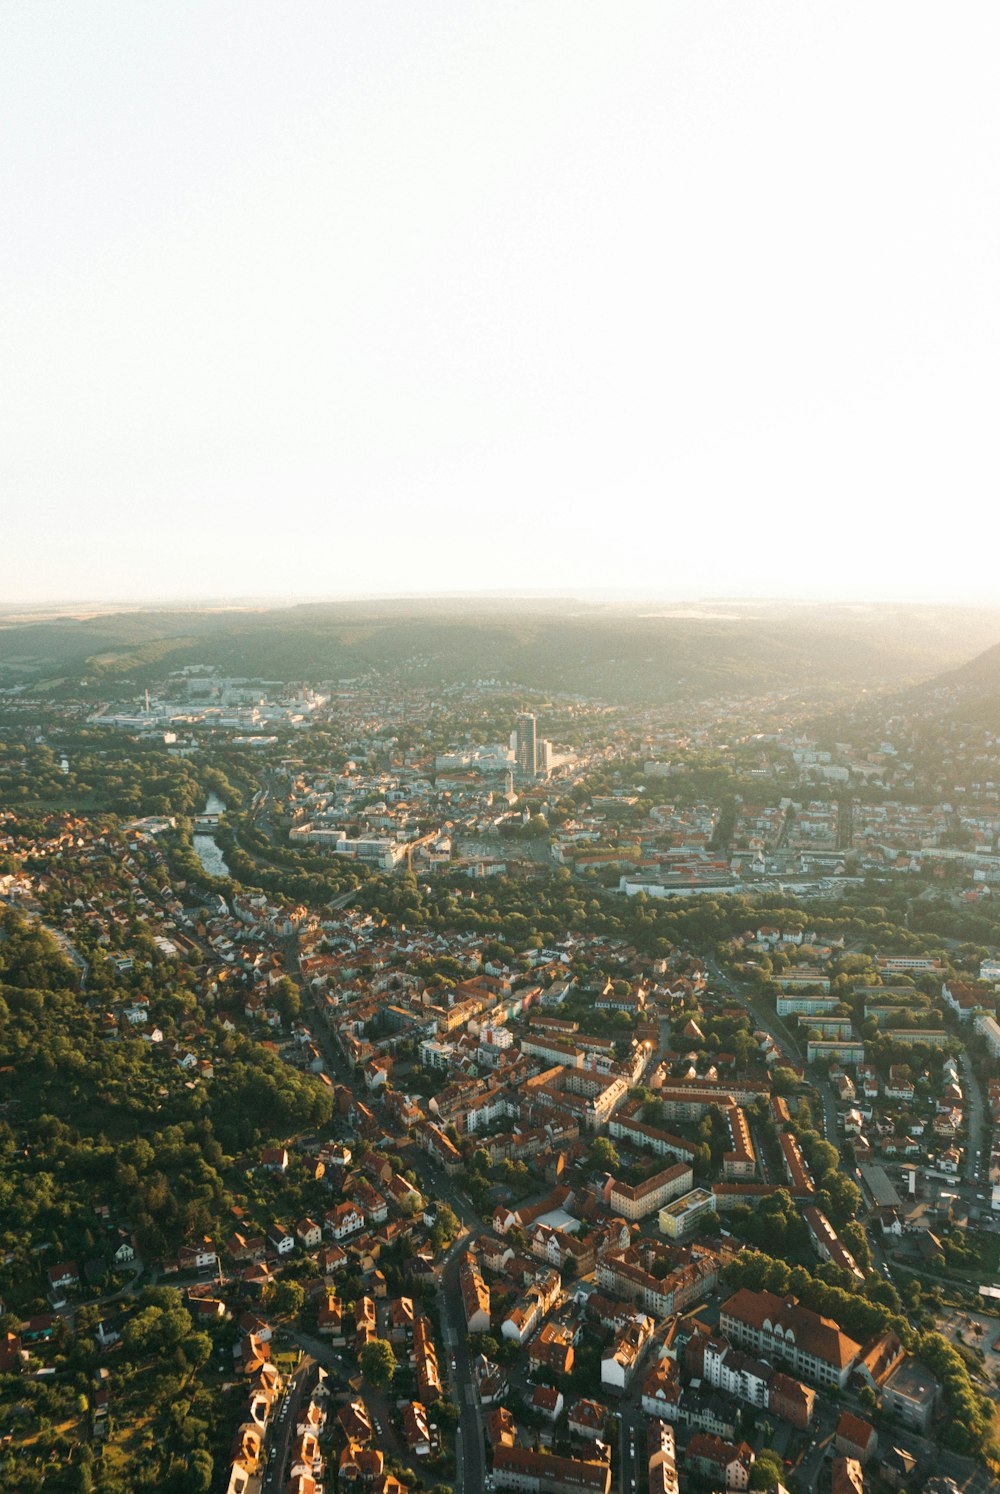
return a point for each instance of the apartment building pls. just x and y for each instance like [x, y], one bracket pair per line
[741, 1161]
[528, 1472]
[651, 1194]
[475, 1296]
[678, 1219]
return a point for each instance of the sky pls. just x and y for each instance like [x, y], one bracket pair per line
[353, 298]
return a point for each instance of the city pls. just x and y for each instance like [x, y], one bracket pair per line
[487, 1093]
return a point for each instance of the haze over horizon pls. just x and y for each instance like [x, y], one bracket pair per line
[680, 303]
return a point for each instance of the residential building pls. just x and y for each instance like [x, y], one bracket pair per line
[679, 1219]
[528, 1472]
[912, 1394]
[634, 1203]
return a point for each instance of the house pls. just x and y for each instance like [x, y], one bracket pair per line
[587, 1419]
[400, 1320]
[330, 1319]
[899, 1085]
[308, 1234]
[791, 1400]
[198, 1255]
[846, 1476]
[62, 1279]
[109, 1330]
[354, 1422]
[718, 1460]
[855, 1437]
[661, 1452]
[359, 1464]
[548, 1402]
[620, 1362]
[124, 1250]
[475, 1295]
[274, 1159]
[281, 1239]
[416, 1429]
[12, 1354]
[344, 1220]
[898, 1468]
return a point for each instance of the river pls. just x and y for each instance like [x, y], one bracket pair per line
[206, 846]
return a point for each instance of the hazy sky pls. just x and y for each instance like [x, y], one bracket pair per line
[397, 295]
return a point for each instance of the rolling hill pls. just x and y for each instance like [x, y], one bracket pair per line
[615, 653]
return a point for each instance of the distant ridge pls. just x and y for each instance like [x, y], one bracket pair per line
[969, 693]
[613, 653]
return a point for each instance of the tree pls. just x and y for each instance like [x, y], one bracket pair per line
[603, 1154]
[198, 1475]
[766, 1471]
[287, 1299]
[447, 1227]
[378, 1362]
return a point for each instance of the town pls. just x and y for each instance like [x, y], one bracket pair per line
[408, 1088]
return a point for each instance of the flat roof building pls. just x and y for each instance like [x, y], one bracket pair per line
[679, 1218]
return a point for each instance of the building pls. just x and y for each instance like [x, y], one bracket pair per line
[738, 1374]
[475, 1296]
[741, 1162]
[843, 1051]
[527, 745]
[828, 1244]
[855, 1437]
[620, 1362]
[679, 1218]
[799, 977]
[912, 1394]
[783, 1331]
[791, 1400]
[648, 1196]
[798, 1005]
[529, 1472]
[989, 1030]
[847, 1476]
[728, 1463]
[662, 1455]
[659, 1278]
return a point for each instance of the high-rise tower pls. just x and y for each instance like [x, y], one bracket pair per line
[527, 745]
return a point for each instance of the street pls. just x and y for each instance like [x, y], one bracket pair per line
[282, 1428]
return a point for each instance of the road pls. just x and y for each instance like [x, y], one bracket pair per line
[70, 1310]
[631, 1452]
[977, 1130]
[470, 1452]
[283, 1427]
[767, 1021]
